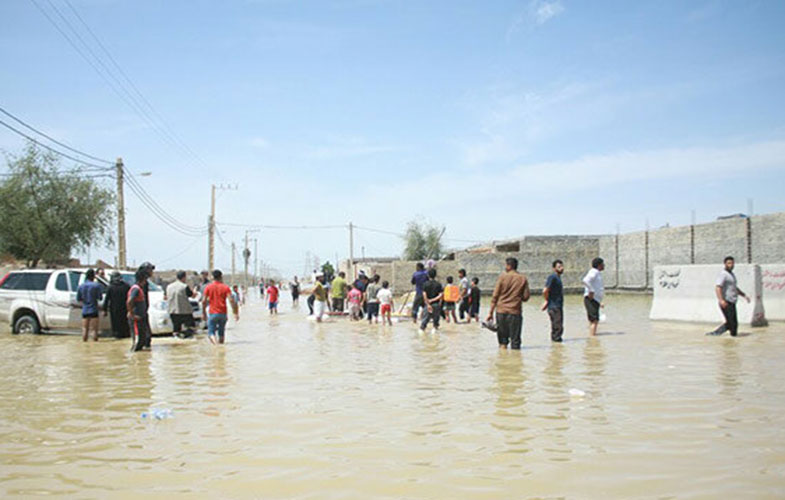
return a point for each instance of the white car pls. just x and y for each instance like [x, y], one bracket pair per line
[44, 300]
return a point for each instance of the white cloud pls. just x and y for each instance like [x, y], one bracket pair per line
[545, 11]
[346, 147]
[528, 181]
[260, 143]
[513, 119]
[537, 13]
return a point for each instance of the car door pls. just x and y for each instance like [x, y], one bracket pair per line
[75, 279]
[57, 311]
[104, 322]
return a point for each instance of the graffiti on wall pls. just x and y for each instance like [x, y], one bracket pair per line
[773, 280]
[669, 279]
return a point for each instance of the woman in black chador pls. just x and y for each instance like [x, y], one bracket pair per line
[116, 295]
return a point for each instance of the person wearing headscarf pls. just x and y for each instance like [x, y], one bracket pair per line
[114, 304]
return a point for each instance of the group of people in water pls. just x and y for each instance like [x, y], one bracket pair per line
[367, 297]
[453, 302]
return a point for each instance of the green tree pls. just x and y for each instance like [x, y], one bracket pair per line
[328, 270]
[46, 213]
[423, 241]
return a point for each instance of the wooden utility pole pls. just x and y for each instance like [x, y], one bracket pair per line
[246, 255]
[233, 263]
[351, 251]
[121, 252]
[211, 233]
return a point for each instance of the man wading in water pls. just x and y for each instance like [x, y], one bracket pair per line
[512, 288]
[593, 293]
[727, 295]
[554, 301]
[137, 313]
[419, 278]
[216, 294]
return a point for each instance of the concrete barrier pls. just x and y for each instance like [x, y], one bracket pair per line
[773, 283]
[686, 293]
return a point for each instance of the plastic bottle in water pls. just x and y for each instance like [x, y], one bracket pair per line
[157, 413]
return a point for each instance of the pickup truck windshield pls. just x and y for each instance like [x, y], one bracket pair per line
[130, 279]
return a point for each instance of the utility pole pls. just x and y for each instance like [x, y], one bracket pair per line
[246, 255]
[233, 262]
[211, 234]
[351, 250]
[255, 261]
[121, 255]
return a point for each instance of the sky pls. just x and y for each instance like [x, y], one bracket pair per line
[494, 119]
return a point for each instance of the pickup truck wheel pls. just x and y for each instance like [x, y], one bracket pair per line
[27, 324]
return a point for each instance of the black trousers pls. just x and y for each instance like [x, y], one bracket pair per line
[731, 320]
[140, 333]
[311, 299]
[120, 324]
[180, 320]
[557, 323]
[464, 307]
[434, 315]
[417, 304]
[337, 304]
[509, 329]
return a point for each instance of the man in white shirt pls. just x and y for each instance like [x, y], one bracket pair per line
[593, 293]
[728, 294]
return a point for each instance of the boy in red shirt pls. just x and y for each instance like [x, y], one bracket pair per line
[272, 297]
[215, 295]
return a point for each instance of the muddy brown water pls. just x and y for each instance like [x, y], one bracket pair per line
[292, 409]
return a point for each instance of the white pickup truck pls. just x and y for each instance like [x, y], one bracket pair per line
[44, 300]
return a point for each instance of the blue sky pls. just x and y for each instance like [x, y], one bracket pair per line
[496, 119]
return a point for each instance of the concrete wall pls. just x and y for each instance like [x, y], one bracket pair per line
[773, 285]
[632, 260]
[535, 256]
[768, 238]
[686, 293]
[632, 267]
[715, 240]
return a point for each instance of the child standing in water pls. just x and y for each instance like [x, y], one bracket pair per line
[385, 297]
[355, 298]
[272, 298]
[474, 300]
[451, 296]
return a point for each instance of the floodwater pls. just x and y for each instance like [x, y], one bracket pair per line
[292, 409]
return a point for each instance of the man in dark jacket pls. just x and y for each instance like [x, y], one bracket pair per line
[114, 303]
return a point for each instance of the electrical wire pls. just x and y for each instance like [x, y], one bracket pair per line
[267, 226]
[162, 215]
[63, 145]
[118, 88]
[53, 150]
[131, 83]
[140, 191]
[178, 254]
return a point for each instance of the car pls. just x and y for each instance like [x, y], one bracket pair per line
[44, 300]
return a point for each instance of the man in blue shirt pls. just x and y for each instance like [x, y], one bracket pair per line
[554, 301]
[419, 278]
[89, 295]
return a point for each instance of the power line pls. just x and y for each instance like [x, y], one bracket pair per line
[117, 87]
[159, 212]
[267, 226]
[66, 146]
[178, 254]
[53, 150]
[131, 83]
[132, 181]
